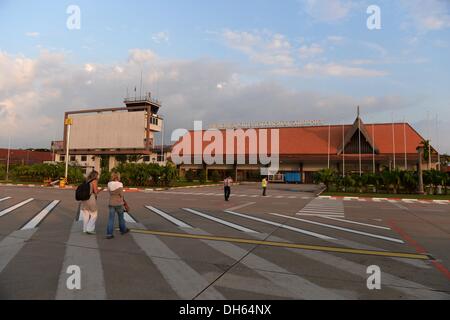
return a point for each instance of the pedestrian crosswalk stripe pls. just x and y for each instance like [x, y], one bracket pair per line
[129, 218]
[355, 222]
[340, 228]
[168, 217]
[37, 219]
[182, 278]
[226, 223]
[6, 211]
[314, 234]
[4, 199]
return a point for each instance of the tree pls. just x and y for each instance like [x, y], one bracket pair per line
[325, 176]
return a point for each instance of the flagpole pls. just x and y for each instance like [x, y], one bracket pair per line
[343, 150]
[373, 147]
[438, 143]
[404, 141]
[359, 143]
[7, 160]
[329, 137]
[393, 141]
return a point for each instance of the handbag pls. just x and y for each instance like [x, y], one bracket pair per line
[126, 206]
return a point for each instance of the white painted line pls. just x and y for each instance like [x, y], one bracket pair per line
[4, 199]
[322, 209]
[226, 223]
[309, 233]
[355, 222]
[340, 228]
[128, 218]
[322, 212]
[6, 211]
[33, 223]
[164, 215]
[241, 206]
[82, 251]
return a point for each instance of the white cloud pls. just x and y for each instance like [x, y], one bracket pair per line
[161, 37]
[307, 52]
[89, 68]
[262, 47]
[204, 89]
[32, 34]
[327, 10]
[428, 15]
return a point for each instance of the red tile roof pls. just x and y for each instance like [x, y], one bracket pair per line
[314, 140]
[24, 156]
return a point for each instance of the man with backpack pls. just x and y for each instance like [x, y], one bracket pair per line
[87, 194]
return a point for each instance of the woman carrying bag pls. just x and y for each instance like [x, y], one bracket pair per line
[116, 205]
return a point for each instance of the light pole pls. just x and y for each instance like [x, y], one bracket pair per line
[68, 122]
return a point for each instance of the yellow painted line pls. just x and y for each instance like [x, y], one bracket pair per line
[288, 245]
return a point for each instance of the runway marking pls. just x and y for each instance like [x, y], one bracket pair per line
[181, 277]
[82, 251]
[355, 222]
[12, 244]
[168, 217]
[242, 206]
[341, 228]
[440, 267]
[37, 219]
[4, 199]
[129, 218]
[6, 211]
[309, 233]
[226, 223]
[404, 255]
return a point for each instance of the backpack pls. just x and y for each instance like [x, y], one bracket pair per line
[83, 192]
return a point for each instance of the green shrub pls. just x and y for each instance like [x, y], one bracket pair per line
[40, 172]
[202, 176]
[190, 175]
[215, 177]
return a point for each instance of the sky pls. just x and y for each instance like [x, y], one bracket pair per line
[225, 61]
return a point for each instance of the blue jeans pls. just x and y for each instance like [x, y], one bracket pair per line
[112, 215]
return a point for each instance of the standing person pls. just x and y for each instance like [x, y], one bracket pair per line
[264, 186]
[88, 208]
[227, 187]
[116, 205]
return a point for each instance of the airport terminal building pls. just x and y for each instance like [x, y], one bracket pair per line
[304, 150]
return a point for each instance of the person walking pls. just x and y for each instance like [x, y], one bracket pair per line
[264, 186]
[116, 205]
[227, 187]
[88, 208]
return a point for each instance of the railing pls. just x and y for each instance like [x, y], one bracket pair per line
[142, 98]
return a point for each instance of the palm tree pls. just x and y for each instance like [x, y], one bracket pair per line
[426, 152]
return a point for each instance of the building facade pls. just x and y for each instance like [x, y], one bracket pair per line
[101, 138]
[345, 148]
